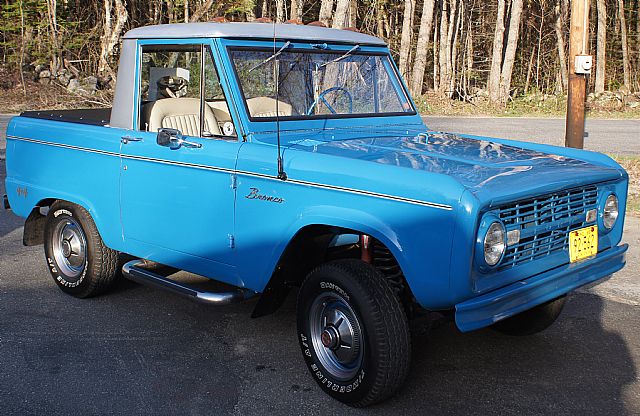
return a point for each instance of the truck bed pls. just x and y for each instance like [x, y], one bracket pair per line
[91, 116]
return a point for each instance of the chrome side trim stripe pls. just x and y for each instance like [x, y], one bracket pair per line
[243, 173]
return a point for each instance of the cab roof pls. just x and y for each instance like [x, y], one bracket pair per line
[252, 31]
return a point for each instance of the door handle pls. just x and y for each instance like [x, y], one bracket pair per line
[127, 139]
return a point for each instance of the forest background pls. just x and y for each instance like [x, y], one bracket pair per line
[501, 57]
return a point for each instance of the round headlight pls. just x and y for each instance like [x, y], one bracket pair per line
[494, 244]
[610, 212]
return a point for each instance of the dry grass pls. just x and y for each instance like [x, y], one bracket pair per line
[532, 106]
[37, 96]
[632, 165]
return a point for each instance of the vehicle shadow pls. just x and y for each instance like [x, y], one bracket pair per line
[8, 221]
[578, 366]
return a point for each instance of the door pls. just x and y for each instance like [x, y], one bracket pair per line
[177, 195]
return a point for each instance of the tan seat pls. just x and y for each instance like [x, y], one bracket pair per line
[266, 107]
[179, 113]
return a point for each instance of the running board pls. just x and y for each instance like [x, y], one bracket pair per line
[133, 270]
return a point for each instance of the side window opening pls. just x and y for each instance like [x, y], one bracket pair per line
[177, 87]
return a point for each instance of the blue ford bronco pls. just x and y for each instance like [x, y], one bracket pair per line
[269, 157]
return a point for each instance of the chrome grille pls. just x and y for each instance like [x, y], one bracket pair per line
[544, 223]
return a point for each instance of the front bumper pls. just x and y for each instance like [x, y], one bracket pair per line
[510, 300]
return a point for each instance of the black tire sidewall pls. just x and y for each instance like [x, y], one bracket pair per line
[74, 286]
[532, 321]
[327, 280]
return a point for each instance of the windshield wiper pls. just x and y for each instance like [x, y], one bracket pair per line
[340, 58]
[275, 55]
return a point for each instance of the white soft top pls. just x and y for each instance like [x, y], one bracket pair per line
[252, 31]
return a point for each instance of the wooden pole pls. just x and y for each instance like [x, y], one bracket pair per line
[578, 45]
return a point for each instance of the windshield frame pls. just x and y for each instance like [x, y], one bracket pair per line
[340, 49]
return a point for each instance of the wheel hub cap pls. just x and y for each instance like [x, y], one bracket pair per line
[330, 337]
[336, 335]
[69, 248]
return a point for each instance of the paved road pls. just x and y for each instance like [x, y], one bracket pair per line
[143, 351]
[608, 136]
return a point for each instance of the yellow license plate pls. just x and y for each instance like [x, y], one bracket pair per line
[583, 243]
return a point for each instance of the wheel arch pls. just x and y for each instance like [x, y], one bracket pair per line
[308, 248]
[34, 225]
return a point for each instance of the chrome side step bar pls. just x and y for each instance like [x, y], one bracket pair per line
[134, 270]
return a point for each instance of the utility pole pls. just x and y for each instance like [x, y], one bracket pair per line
[579, 67]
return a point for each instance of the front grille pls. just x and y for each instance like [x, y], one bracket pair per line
[544, 223]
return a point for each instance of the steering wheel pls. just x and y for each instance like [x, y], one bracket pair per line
[327, 91]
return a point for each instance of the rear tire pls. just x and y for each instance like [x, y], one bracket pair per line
[80, 263]
[533, 320]
[353, 332]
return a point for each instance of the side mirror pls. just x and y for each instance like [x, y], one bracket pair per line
[167, 136]
[173, 139]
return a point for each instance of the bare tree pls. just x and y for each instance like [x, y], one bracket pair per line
[420, 61]
[405, 41]
[296, 10]
[341, 16]
[493, 83]
[52, 7]
[326, 8]
[280, 15]
[510, 52]
[624, 45]
[561, 9]
[111, 33]
[601, 53]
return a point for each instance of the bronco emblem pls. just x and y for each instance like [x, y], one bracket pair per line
[255, 194]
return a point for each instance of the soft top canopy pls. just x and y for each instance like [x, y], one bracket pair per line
[252, 31]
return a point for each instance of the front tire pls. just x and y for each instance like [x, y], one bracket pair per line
[79, 262]
[532, 321]
[353, 332]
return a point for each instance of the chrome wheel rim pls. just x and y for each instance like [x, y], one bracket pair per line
[336, 335]
[70, 248]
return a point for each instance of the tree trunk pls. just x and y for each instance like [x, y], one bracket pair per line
[326, 7]
[405, 41]
[186, 11]
[493, 83]
[510, 52]
[280, 15]
[379, 21]
[353, 13]
[111, 34]
[436, 49]
[264, 11]
[453, 9]
[53, 35]
[296, 10]
[340, 18]
[201, 11]
[562, 55]
[443, 82]
[601, 53]
[624, 46]
[420, 61]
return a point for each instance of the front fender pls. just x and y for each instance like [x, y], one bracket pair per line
[419, 237]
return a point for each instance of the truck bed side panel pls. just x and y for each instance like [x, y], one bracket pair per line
[75, 162]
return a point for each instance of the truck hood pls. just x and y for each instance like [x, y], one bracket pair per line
[486, 168]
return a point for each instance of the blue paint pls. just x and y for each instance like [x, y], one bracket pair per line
[421, 193]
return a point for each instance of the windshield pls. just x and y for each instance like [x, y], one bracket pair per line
[319, 83]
